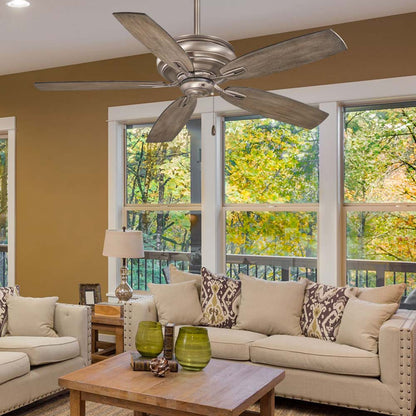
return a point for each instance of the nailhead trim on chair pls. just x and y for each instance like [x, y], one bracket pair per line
[129, 331]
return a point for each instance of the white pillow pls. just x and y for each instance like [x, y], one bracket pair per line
[179, 276]
[31, 316]
[177, 303]
[361, 323]
[270, 307]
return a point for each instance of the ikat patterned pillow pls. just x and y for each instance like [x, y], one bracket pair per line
[220, 298]
[323, 307]
[4, 293]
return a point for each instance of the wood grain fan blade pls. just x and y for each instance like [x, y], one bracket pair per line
[285, 55]
[156, 39]
[172, 120]
[98, 85]
[274, 106]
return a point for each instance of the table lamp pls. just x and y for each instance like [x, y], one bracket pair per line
[123, 244]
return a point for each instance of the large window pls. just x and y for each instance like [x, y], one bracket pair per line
[162, 199]
[271, 196]
[3, 210]
[380, 194]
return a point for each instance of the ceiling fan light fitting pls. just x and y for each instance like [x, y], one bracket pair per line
[18, 4]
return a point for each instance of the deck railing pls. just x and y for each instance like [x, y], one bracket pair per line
[362, 273]
[3, 265]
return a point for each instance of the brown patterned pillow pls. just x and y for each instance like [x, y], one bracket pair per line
[220, 298]
[323, 307]
[4, 293]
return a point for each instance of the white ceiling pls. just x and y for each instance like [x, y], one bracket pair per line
[53, 33]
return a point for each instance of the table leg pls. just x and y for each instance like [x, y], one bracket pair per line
[94, 339]
[77, 406]
[267, 404]
[120, 341]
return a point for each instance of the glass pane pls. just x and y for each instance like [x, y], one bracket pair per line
[163, 173]
[169, 237]
[267, 161]
[381, 248]
[272, 245]
[3, 212]
[380, 159]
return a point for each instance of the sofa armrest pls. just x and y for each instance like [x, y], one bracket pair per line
[143, 309]
[75, 321]
[397, 345]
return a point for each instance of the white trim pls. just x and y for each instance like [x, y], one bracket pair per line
[330, 98]
[8, 125]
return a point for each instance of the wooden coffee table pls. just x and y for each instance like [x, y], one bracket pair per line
[223, 388]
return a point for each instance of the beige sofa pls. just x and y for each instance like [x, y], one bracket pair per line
[30, 366]
[316, 370]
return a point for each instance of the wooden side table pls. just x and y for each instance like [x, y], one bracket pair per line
[101, 350]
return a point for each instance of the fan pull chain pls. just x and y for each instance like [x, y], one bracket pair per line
[213, 129]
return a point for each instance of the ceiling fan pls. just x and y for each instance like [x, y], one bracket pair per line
[198, 64]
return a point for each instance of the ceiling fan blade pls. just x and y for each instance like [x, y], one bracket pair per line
[98, 85]
[172, 120]
[274, 106]
[156, 39]
[285, 55]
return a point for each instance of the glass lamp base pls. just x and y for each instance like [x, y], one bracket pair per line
[123, 292]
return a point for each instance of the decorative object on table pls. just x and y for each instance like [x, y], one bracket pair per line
[89, 293]
[139, 363]
[159, 366]
[149, 339]
[220, 299]
[109, 309]
[123, 244]
[168, 341]
[192, 348]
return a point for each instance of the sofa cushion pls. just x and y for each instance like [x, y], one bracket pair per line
[231, 344]
[220, 299]
[42, 350]
[179, 276]
[315, 355]
[382, 294]
[31, 316]
[12, 365]
[4, 293]
[322, 310]
[270, 307]
[177, 303]
[361, 323]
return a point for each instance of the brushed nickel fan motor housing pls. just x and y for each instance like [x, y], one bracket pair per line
[207, 53]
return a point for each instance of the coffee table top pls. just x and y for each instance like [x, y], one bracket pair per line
[223, 387]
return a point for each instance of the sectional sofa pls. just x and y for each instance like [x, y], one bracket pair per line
[30, 366]
[316, 370]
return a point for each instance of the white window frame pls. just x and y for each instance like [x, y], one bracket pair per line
[330, 98]
[8, 129]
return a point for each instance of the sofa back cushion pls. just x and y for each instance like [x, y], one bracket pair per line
[323, 307]
[31, 316]
[361, 323]
[220, 299]
[4, 293]
[177, 303]
[270, 307]
[179, 276]
[382, 294]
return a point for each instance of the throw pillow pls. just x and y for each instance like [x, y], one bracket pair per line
[361, 323]
[270, 307]
[177, 303]
[220, 297]
[4, 293]
[382, 294]
[323, 307]
[179, 276]
[31, 316]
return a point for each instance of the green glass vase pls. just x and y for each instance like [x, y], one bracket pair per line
[192, 348]
[149, 339]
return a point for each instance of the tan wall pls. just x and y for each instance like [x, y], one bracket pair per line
[62, 145]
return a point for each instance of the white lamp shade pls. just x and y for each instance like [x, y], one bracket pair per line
[123, 244]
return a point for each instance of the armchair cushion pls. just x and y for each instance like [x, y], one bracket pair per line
[42, 350]
[12, 365]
